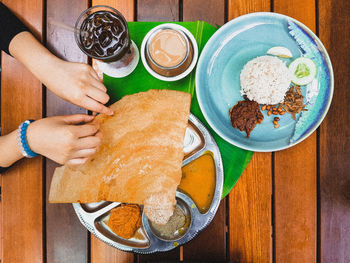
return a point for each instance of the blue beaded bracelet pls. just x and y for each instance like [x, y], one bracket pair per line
[22, 140]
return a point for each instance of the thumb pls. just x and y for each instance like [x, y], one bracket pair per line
[78, 118]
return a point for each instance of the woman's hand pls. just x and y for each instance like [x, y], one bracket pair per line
[79, 84]
[65, 139]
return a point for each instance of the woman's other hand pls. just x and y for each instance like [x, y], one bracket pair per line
[65, 139]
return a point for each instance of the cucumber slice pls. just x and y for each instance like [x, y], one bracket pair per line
[303, 71]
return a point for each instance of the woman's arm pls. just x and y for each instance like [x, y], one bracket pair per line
[9, 150]
[75, 82]
[10, 26]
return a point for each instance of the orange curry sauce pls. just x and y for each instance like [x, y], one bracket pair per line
[198, 181]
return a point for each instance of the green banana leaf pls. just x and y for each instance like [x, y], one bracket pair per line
[234, 159]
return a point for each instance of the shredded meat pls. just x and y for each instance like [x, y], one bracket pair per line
[293, 101]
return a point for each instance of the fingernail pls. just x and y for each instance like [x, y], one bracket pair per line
[90, 118]
[110, 112]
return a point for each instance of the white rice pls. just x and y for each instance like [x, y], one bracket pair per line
[265, 79]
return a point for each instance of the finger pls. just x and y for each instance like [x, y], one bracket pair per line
[78, 118]
[77, 161]
[98, 95]
[93, 105]
[94, 73]
[98, 84]
[88, 142]
[84, 153]
[86, 129]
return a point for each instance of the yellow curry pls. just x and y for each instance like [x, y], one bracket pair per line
[198, 181]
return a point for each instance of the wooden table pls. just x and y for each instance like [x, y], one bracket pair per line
[288, 206]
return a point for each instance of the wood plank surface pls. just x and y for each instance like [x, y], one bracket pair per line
[210, 245]
[250, 226]
[241, 7]
[101, 252]
[334, 32]
[153, 10]
[21, 99]
[62, 225]
[126, 7]
[296, 175]
[250, 219]
[212, 11]
[246, 226]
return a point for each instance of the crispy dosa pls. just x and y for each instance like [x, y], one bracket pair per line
[140, 157]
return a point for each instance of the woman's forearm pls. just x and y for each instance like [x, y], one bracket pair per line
[9, 150]
[34, 56]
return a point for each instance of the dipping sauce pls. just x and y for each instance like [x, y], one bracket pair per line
[198, 181]
[174, 227]
[168, 48]
[125, 220]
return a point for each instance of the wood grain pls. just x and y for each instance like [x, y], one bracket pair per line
[153, 10]
[250, 226]
[212, 11]
[126, 7]
[250, 213]
[296, 203]
[296, 176]
[334, 31]
[241, 7]
[62, 225]
[101, 252]
[210, 245]
[21, 99]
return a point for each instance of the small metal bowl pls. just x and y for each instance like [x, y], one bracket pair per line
[179, 234]
[170, 73]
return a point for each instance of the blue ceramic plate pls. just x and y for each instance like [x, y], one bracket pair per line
[218, 83]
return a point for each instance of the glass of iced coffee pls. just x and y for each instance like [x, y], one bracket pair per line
[102, 33]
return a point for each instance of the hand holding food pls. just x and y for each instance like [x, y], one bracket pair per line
[140, 157]
[65, 139]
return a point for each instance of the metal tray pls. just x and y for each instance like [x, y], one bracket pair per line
[94, 216]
